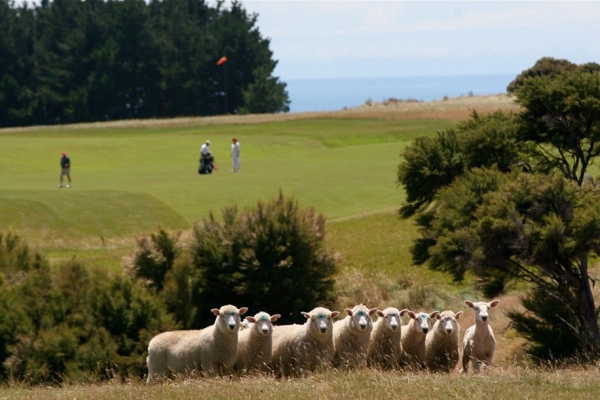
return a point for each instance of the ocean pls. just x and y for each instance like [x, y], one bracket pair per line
[337, 94]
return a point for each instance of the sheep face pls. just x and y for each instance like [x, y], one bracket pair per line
[482, 309]
[263, 322]
[228, 318]
[360, 317]
[320, 320]
[447, 321]
[391, 318]
[422, 321]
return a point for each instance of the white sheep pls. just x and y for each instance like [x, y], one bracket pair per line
[479, 343]
[413, 338]
[442, 343]
[307, 347]
[351, 337]
[211, 350]
[255, 342]
[385, 348]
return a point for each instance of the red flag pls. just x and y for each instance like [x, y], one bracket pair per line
[222, 61]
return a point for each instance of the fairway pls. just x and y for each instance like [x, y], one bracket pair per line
[132, 180]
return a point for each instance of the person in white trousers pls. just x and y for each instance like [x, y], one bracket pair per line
[235, 154]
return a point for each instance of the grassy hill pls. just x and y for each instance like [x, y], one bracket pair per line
[131, 177]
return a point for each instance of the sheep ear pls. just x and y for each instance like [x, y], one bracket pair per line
[380, 313]
[434, 314]
[275, 317]
[469, 303]
[348, 311]
[494, 303]
[306, 315]
[411, 314]
[216, 311]
[403, 311]
[334, 314]
[243, 310]
[373, 311]
[251, 319]
[458, 314]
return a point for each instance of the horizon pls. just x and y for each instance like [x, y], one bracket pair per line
[360, 39]
[483, 74]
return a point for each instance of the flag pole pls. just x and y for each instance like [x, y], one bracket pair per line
[226, 108]
[223, 60]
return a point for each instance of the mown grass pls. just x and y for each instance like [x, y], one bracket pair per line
[131, 180]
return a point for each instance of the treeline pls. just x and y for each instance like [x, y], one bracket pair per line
[67, 61]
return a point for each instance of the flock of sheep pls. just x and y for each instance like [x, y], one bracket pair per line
[231, 344]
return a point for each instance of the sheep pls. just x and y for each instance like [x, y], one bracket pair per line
[442, 343]
[351, 337]
[306, 347]
[211, 350]
[413, 338]
[255, 342]
[479, 342]
[385, 348]
[245, 324]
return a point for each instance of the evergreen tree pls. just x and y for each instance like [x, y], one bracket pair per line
[265, 95]
[73, 61]
[561, 118]
[539, 227]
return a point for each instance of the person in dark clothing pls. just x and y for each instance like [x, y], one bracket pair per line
[65, 169]
[207, 164]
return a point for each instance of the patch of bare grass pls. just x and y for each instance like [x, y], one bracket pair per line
[457, 108]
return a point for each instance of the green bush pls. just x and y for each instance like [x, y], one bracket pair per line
[268, 258]
[152, 259]
[70, 323]
[550, 67]
[550, 326]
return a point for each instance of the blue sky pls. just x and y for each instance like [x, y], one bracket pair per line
[370, 38]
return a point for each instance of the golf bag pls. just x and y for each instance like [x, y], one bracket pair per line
[206, 164]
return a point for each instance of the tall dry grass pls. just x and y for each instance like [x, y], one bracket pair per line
[456, 108]
[515, 382]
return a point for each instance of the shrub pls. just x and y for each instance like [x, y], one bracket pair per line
[270, 257]
[152, 259]
[71, 323]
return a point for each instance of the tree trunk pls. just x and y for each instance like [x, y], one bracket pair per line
[588, 309]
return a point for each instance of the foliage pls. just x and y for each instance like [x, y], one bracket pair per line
[491, 140]
[70, 323]
[526, 227]
[70, 61]
[501, 224]
[152, 258]
[429, 164]
[551, 329]
[550, 67]
[265, 95]
[561, 116]
[270, 258]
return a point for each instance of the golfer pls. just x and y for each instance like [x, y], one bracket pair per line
[235, 154]
[65, 169]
